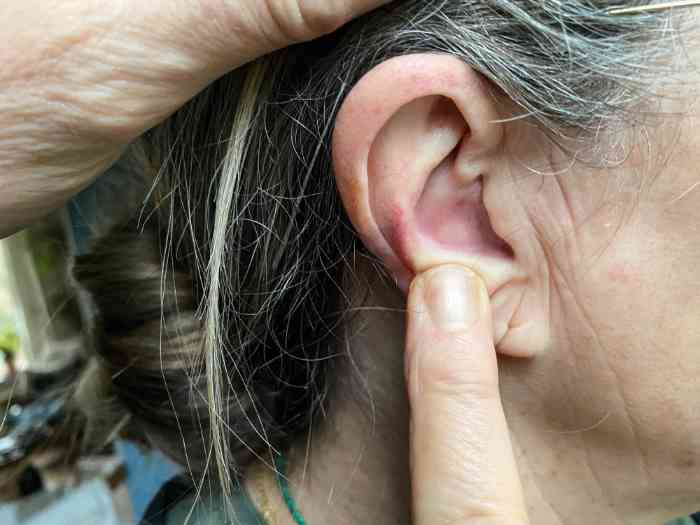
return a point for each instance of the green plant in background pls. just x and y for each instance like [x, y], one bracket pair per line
[48, 252]
[9, 340]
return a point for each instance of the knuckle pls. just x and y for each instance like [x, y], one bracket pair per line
[301, 20]
[462, 374]
[449, 384]
[322, 17]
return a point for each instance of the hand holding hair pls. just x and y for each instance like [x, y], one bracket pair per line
[81, 79]
[462, 464]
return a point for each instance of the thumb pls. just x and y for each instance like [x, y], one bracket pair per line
[462, 463]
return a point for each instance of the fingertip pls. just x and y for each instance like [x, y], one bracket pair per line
[454, 295]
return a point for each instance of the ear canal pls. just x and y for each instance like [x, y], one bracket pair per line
[452, 214]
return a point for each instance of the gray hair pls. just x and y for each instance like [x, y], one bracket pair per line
[240, 273]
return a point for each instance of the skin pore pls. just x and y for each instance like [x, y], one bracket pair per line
[604, 422]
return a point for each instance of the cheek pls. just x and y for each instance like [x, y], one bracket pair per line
[643, 281]
[624, 273]
[641, 299]
[618, 353]
[643, 246]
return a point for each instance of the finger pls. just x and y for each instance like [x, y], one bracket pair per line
[81, 78]
[462, 463]
[301, 20]
[114, 69]
[232, 32]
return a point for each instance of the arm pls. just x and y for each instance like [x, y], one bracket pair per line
[81, 79]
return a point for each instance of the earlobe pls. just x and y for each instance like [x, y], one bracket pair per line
[414, 149]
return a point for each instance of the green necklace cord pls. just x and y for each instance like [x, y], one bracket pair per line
[280, 466]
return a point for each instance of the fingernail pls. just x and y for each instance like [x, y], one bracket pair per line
[454, 297]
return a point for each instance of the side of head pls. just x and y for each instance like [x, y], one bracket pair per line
[413, 137]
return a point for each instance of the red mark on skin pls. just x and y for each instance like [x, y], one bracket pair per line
[397, 236]
[621, 273]
[456, 220]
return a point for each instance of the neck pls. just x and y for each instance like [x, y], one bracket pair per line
[352, 467]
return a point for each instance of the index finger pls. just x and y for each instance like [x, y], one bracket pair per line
[462, 462]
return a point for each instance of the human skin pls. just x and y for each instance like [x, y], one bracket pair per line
[80, 79]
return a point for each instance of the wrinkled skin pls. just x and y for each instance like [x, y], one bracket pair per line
[613, 402]
[80, 79]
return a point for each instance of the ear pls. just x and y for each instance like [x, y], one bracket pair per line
[415, 146]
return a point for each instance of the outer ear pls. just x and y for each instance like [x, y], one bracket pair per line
[415, 145]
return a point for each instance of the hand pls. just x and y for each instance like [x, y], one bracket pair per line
[463, 470]
[82, 78]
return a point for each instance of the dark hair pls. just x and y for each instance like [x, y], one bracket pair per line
[221, 304]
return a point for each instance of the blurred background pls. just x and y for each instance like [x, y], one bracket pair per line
[52, 471]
